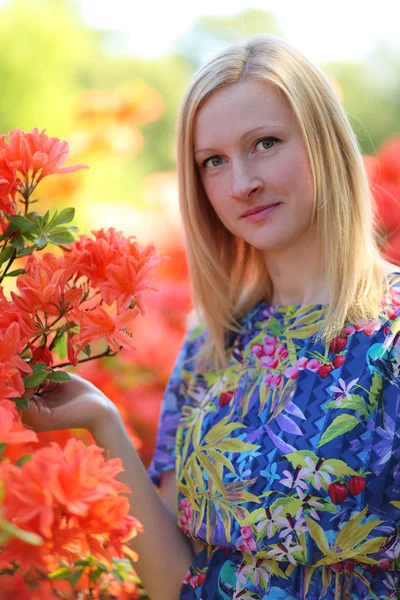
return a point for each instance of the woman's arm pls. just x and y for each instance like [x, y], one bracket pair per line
[165, 553]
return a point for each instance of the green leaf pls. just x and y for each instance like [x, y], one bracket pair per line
[6, 254]
[58, 376]
[220, 458]
[27, 250]
[36, 219]
[357, 535]
[289, 504]
[46, 219]
[298, 458]
[18, 242]
[61, 573]
[318, 535]
[38, 366]
[304, 332]
[95, 575]
[220, 431]
[212, 472]
[22, 403]
[326, 506]
[65, 216]
[87, 350]
[274, 326]
[255, 516]
[292, 351]
[61, 238]
[371, 546]
[21, 224]
[21, 461]
[234, 445]
[313, 317]
[75, 575]
[15, 273]
[3, 446]
[60, 347]
[342, 424]
[36, 379]
[26, 536]
[348, 529]
[41, 241]
[340, 468]
[309, 571]
[375, 391]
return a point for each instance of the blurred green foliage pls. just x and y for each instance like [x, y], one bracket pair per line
[48, 55]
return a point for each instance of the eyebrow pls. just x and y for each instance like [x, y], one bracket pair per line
[246, 134]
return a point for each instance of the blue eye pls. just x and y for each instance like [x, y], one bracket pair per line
[266, 141]
[216, 161]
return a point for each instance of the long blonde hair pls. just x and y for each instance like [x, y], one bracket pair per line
[228, 275]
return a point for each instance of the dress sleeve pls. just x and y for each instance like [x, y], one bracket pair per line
[171, 408]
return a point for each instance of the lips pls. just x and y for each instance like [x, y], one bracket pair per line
[257, 209]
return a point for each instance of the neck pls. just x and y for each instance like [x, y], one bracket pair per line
[297, 273]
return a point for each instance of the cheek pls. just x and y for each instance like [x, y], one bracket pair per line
[297, 177]
[217, 194]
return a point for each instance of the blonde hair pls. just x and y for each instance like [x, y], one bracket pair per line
[228, 275]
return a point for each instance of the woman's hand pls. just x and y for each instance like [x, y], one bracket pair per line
[73, 404]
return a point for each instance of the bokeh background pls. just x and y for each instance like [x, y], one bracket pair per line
[108, 77]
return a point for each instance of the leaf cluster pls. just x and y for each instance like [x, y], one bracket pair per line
[38, 229]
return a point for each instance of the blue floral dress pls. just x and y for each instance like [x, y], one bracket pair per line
[287, 461]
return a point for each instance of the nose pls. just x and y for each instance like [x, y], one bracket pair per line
[244, 183]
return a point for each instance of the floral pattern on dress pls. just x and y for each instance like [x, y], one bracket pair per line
[287, 461]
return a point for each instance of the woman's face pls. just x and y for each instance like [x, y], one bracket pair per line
[254, 166]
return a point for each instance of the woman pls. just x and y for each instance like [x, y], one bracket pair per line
[277, 450]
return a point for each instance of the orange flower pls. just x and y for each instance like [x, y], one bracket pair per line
[28, 499]
[71, 499]
[11, 384]
[42, 354]
[39, 293]
[84, 476]
[10, 314]
[97, 324]
[8, 185]
[125, 282]
[94, 256]
[36, 155]
[12, 431]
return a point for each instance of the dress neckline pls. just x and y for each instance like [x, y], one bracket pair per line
[310, 305]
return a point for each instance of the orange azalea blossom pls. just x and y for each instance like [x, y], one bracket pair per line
[98, 324]
[11, 384]
[71, 499]
[41, 354]
[8, 185]
[125, 281]
[84, 476]
[47, 287]
[10, 346]
[14, 587]
[28, 498]
[41, 293]
[63, 545]
[50, 264]
[95, 255]
[12, 430]
[9, 313]
[71, 352]
[127, 590]
[35, 155]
